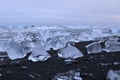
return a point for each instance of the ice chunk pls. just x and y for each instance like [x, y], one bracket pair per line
[14, 50]
[116, 63]
[112, 46]
[94, 47]
[113, 75]
[54, 43]
[2, 48]
[39, 53]
[70, 52]
[71, 75]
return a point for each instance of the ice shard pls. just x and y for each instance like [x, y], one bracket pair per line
[38, 52]
[14, 50]
[54, 43]
[69, 52]
[94, 47]
[113, 75]
[112, 46]
[70, 75]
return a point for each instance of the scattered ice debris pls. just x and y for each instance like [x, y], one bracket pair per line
[94, 47]
[42, 57]
[24, 67]
[35, 76]
[68, 62]
[56, 37]
[71, 75]
[112, 46]
[84, 74]
[32, 76]
[104, 64]
[113, 75]
[70, 52]
[116, 63]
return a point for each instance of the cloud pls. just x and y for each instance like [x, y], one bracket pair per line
[71, 12]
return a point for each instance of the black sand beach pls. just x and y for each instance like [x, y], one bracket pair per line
[91, 67]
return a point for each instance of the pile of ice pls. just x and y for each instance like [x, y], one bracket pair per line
[18, 41]
[111, 44]
[71, 75]
[113, 75]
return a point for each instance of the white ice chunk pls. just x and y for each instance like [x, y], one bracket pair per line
[71, 75]
[54, 43]
[14, 50]
[94, 47]
[2, 48]
[112, 46]
[113, 75]
[39, 53]
[70, 52]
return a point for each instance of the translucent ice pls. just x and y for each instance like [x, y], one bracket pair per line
[94, 47]
[113, 75]
[54, 37]
[71, 75]
[38, 53]
[70, 52]
[14, 50]
[112, 46]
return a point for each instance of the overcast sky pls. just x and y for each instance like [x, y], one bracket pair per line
[60, 12]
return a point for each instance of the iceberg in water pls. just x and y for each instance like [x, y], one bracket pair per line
[113, 75]
[94, 47]
[69, 52]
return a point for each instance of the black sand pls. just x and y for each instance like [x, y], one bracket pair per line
[91, 67]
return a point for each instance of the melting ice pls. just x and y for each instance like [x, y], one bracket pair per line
[113, 75]
[19, 41]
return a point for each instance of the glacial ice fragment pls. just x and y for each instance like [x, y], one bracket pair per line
[14, 50]
[38, 53]
[94, 47]
[113, 75]
[112, 46]
[70, 75]
[70, 52]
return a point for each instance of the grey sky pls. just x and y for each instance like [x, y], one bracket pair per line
[60, 12]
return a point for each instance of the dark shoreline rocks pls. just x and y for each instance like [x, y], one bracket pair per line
[90, 66]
